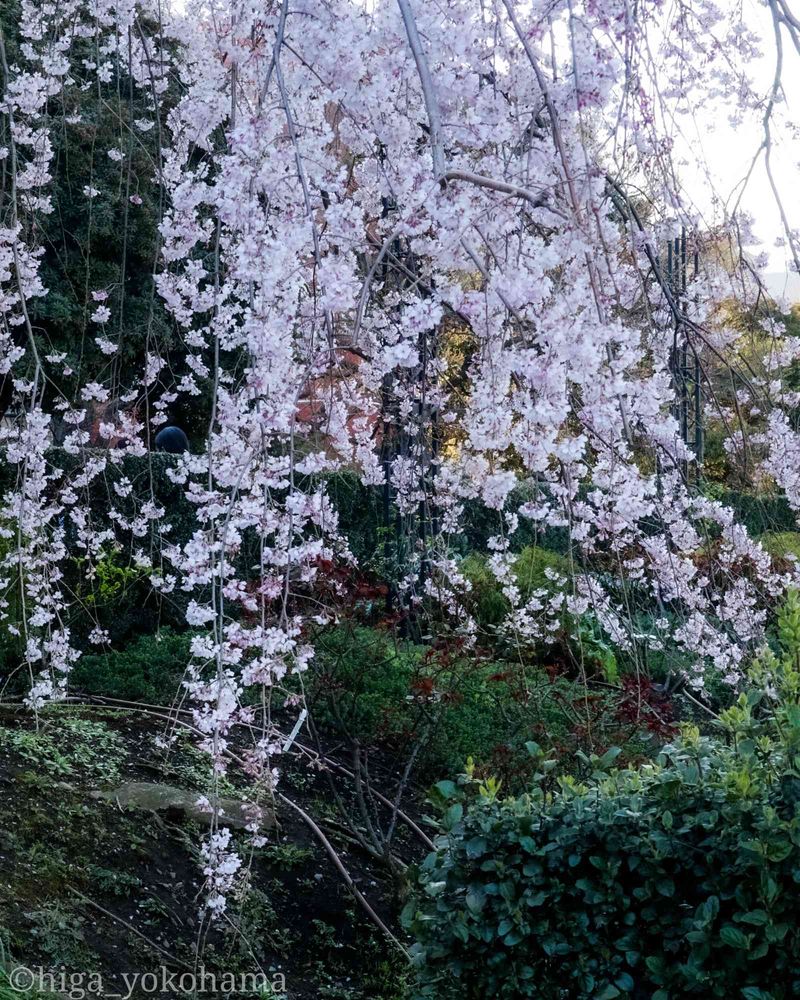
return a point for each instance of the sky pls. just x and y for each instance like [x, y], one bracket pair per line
[718, 155]
[722, 153]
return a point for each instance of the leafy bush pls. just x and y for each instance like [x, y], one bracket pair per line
[149, 669]
[781, 544]
[679, 878]
[372, 688]
[362, 677]
[487, 601]
[368, 686]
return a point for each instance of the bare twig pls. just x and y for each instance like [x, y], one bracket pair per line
[426, 81]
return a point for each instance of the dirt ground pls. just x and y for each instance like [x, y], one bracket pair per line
[87, 886]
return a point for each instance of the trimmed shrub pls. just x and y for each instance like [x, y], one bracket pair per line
[679, 878]
[149, 669]
[759, 512]
[360, 507]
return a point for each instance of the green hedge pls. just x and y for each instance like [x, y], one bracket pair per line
[360, 507]
[663, 883]
[758, 512]
[677, 879]
[149, 669]
[361, 518]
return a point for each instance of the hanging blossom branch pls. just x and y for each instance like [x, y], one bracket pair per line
[672, 570]
[31, 518]
[343, 189]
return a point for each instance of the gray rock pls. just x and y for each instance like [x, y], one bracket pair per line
[155, 797]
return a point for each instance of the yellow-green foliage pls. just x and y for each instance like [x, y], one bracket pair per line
[779, 673]
[110, 578]
[487, 601]
[781, 544]
[531, 566]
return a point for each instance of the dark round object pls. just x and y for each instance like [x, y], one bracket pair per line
[172, 440]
